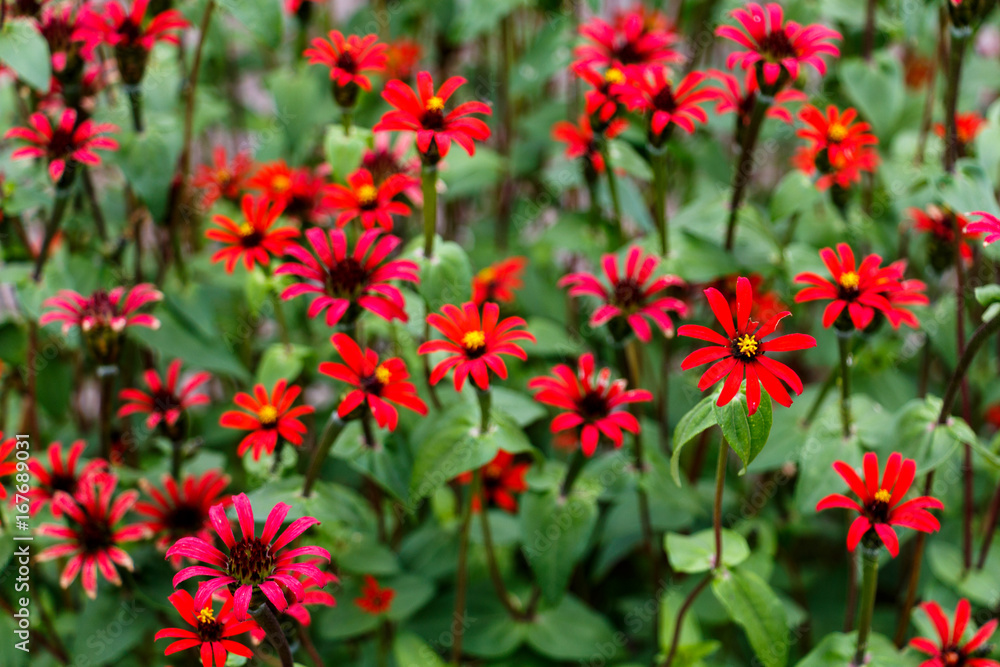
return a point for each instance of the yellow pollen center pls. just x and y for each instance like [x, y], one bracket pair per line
[488, 274]
[849, 280]
[837, 132]
[281, 183]
[474, 340]
[246, 229]
[614, 75]
[747, 345]
[882, 496]
[267, 414]
[383, 374]
[206, 615]
[222, 175]
[434, 104]
[367, 194]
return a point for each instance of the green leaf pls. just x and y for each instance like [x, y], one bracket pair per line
[988, 294]
[696, 553]
[281, 362]
[150, 178]
[412, 651]
[261, 17]
[837, 650]
[747, 434]
[756, 608]
[875, 88]
[694, 421]
[555, 533]
[343, 152]
[447, 278]
[24, 50]
[557, 632]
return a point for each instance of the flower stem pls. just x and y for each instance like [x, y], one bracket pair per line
[914, 578]
[462, 575]
[491, 560]
[176, 458]
[846, 361]
[268, 622]
[107, 376]
[485, 403]
[330, 432]
[658, 156]
[741, 177]
[428, 176]
[956, 55]
[869, 585]
[134, 93]
[63, 188]
[347, 118]
[609, 169]
[572, 472]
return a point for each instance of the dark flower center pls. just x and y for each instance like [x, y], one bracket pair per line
[61, 143]
[95, 535]
[346, 278]
[847, 285]
[877, 509]
[776, 46]
[629, 53]
[474, 343]
[185, 519]
[592, 406]
[374, 383]
[62, 482]
[952, 657]
[382, 164]
[347, 62]
[165, 401]
[627, 295]
[250, 237]
[250, 562]
[130, 30]
[746, 347]
[209, 629]
[433, 118]
[664, 99]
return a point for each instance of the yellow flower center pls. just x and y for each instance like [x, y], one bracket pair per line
[849, 280]
[206, 615]
[280, 183]
[614, 75]
[882, 496]
[747, 345]
[246, 229]
[367, 194]
[488, 274]
[474, 340]
[434, 104]
[222, 175]
[383, 374]
[267, 414]
[837, 132]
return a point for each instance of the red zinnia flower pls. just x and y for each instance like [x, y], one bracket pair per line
[425, 115]
[950, 651]
[376, 384]
[223, 179]
[57, 24]
[300, 191]
[880, 507]
[580, 140]
[741, 100]
[7, 467]
[836, 132]
[842, 171]
[743, 351]
[312, 594]
[92, 540]
[254, 563]
[402, 56]
[987, 224]
[967, 125]
[253, 240]
[268, 418]
[349, 58]
[373, 204]
[634, 296]
[181, 510]
[113, 25]
[61, 475]
[113, 310]
[66, 144]
[498, 281]
[593, 402]
[669, 104]
[211, 633]
[346, 282]
[601, 102]
[165, 402]
[904, 293]
[776, 49]
[374, 600]
[940, 224]
[474, 344]
[501, 478]
[767, 303]
[389, 156]
[632, 45]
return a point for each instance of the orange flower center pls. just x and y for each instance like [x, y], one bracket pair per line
[223, 175]
[849, 280]
[837, 132]
[434, 104]
[267, 415]
[473, 340]
[747, 345]
[206, 615]
[488, 274]
[383, 374]
[367, 194]
[614, 75]
[246, 229]
[280, 183]
[882, 496]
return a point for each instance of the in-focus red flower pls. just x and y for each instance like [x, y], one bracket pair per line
[855, 293]
[375, 384]
[776, 49]
[252, 565]
[114, 310]
[631, 45]
[402, 56]
[743, 351]
[70, 142]
[940, 223]
[602, 100]
[166, 401]
[581, 142]
[211, 634]
[501, 478]
[267, 418]
[734, 98]
[498, 281]
[363, 199]
[223, 179]
[93, 537]
[967, 126]
[633, 297]
[949, 650]
[114, 25]
[422, 111]
[666, 103]
[593, 402]
[181, 509]
[313, 594]
[7, 468]
[987, 224]
[374, 599]
[256, 239]
[348, 60]
[881, 505]
[61, 475]
[834, 132]
[345, 283]
[474, 344]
